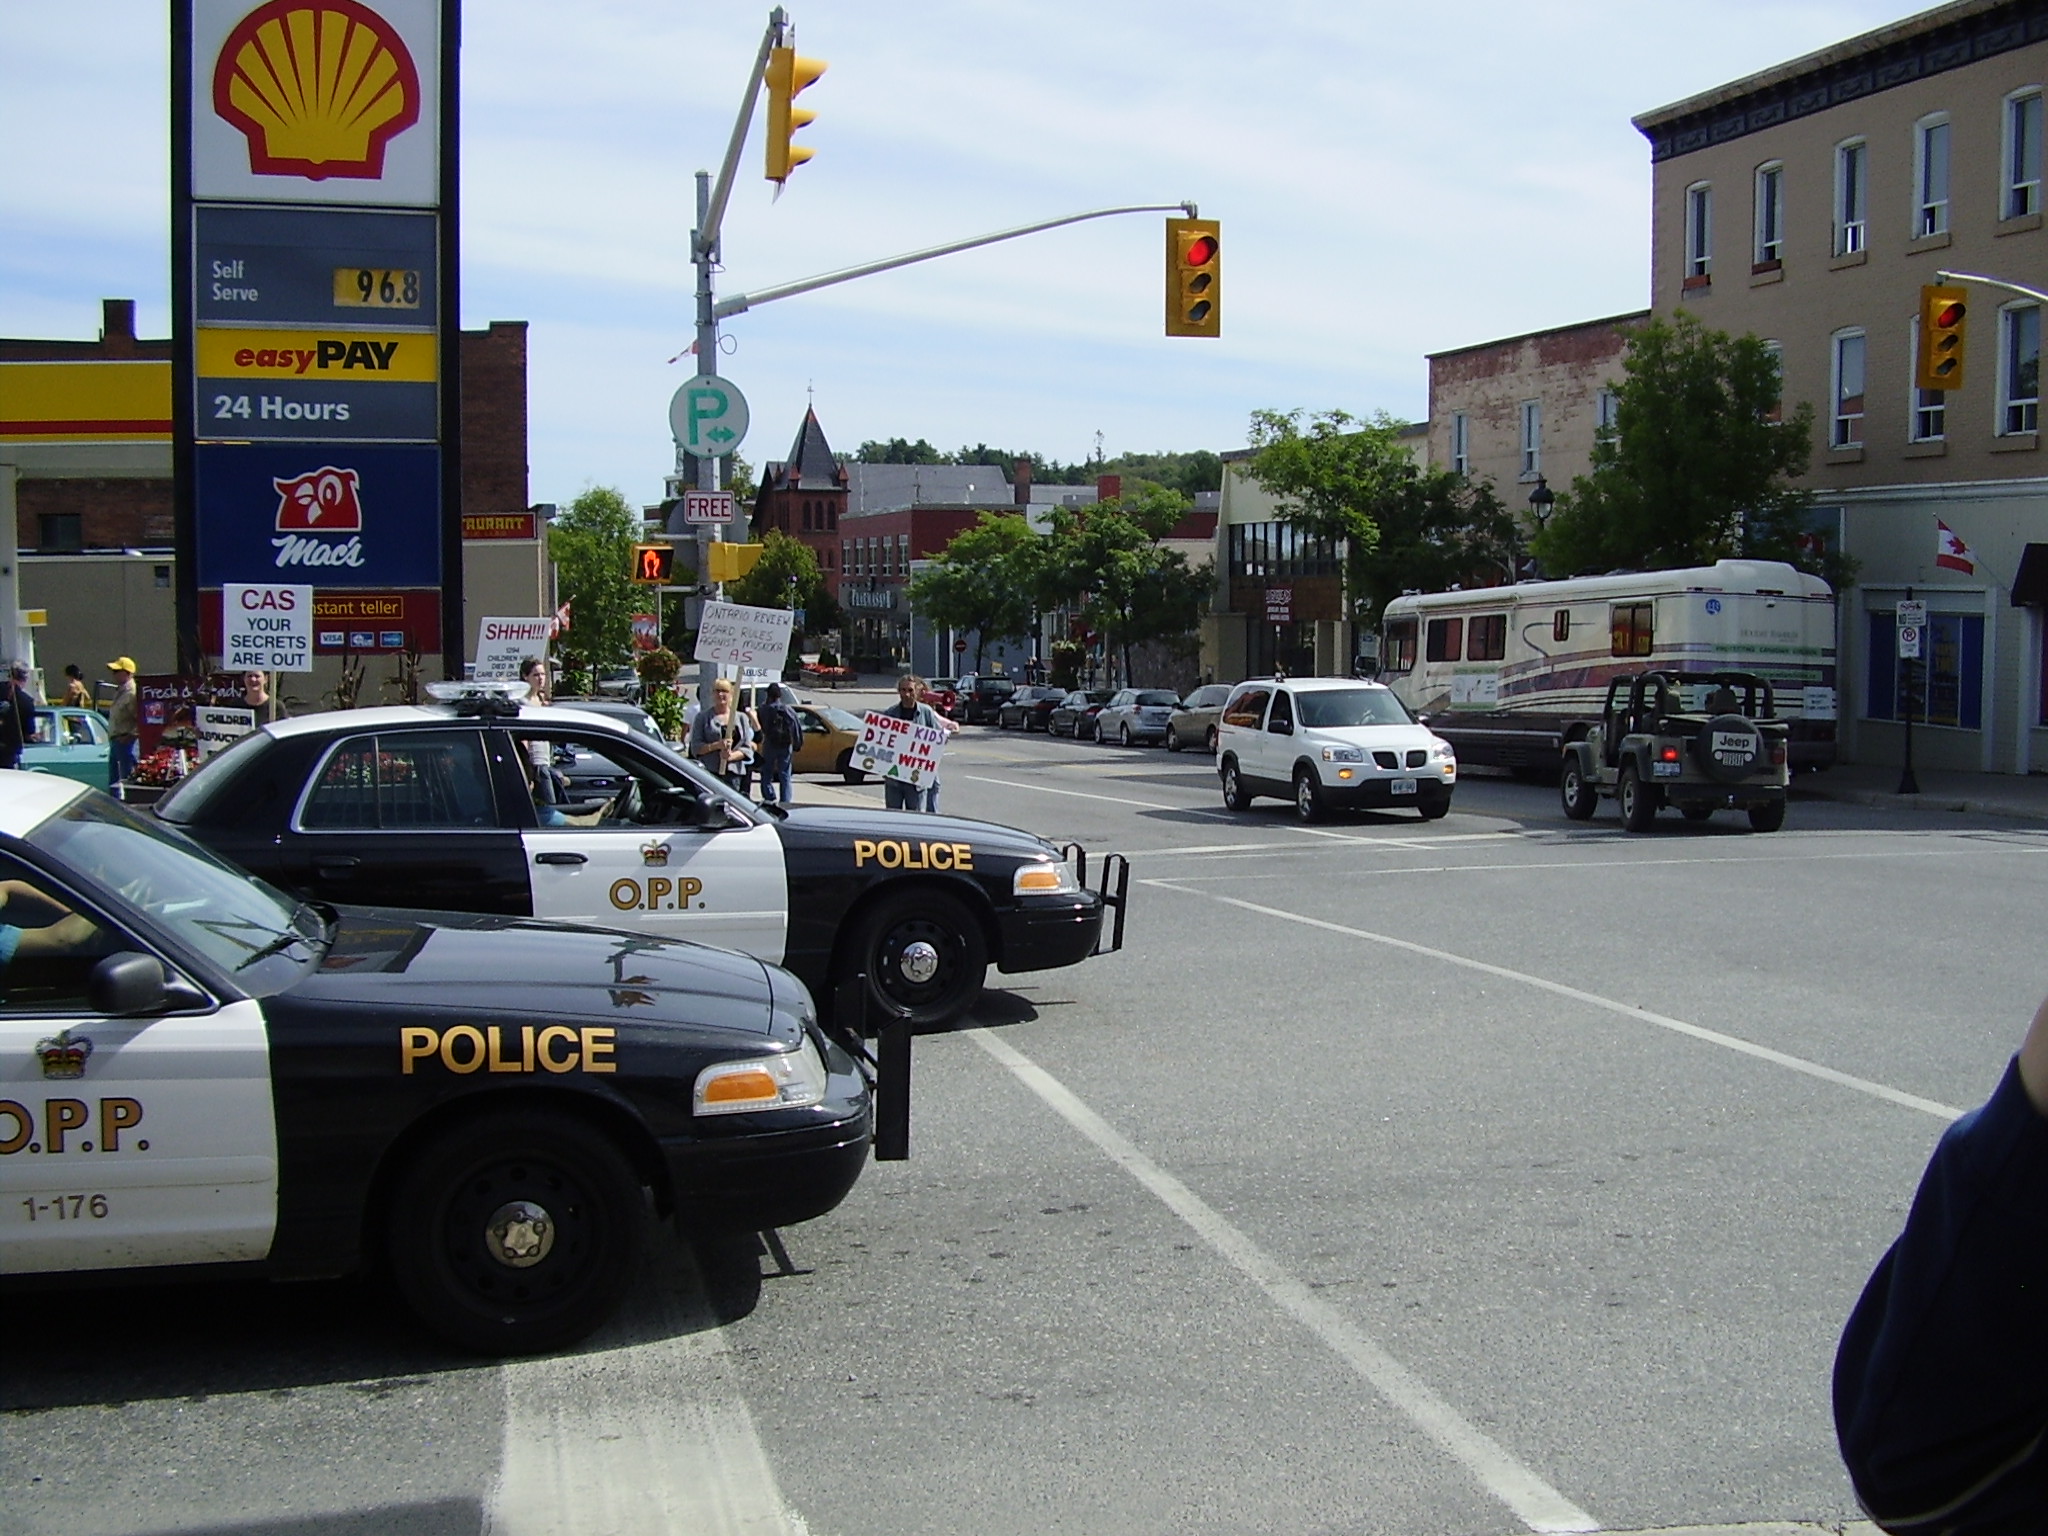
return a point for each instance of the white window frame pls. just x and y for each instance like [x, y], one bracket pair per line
[1604, 405]
[1770, 212]
[2018, 414]
[1852, 196]
[2021, 134]
[1926, 409]
[1776, 413]
[1461, 443]
[1531, 416]
[1845, 426]
[1699, 229]
[1932, 138]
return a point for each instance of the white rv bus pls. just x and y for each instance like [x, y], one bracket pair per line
[1508, 675]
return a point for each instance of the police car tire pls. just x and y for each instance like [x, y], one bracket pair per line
[444, 1202]
[1713, 767]
[924, 917]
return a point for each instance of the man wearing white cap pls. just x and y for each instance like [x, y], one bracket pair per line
[121, 719]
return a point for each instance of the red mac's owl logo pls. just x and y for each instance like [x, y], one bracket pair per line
[323, 500]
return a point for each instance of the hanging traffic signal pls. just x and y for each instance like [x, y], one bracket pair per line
[653, 563]
[729, 562]
[1194, 277]
[787, 75]
[1943, 311]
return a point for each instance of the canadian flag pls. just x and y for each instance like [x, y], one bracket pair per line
[1950, 552]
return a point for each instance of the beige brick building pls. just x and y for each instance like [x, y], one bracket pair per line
[1808, 204]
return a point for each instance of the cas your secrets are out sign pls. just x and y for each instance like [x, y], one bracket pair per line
[266, 628]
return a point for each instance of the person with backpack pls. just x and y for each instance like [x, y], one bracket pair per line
[781, 730]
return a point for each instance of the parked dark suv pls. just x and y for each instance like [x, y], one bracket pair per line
[982, 698]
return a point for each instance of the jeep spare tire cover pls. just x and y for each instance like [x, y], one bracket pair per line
[1730, 748]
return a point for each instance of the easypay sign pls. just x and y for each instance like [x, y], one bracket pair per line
[362, 355]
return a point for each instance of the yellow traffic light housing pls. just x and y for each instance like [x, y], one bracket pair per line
[1943, 313]
[653, 564]
[787, 76]
[729, 562]
[1194, 277]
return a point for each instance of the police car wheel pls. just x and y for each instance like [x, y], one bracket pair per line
[924, 953]
[516, 1232]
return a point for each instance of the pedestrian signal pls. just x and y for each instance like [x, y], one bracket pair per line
[653, 564]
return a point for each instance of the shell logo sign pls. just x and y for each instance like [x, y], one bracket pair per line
[318, 87]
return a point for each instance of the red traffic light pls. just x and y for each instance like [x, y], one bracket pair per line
[1948, 315]
[1201, 251]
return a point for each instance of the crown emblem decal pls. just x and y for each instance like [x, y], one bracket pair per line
[318, 87]
[63, 1055]
[655, 853]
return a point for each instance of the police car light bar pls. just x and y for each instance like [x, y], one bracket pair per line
[495, 697]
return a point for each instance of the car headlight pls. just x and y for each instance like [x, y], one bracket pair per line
[1441, 751]
[1047, 879]
[786, 1080]
[1343, 754]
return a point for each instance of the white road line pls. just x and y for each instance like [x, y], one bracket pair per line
[1556, 866]
[1535, 1503]
[1627, 1010]
[644, 1440]
[1047, 789]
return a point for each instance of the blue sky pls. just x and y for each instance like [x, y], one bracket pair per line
[1392, 180]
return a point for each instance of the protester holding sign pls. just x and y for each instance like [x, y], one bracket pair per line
[906, 791]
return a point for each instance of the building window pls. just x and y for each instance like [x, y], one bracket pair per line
[1770, 214]
[1605, 420]
[1461, 443]
[1487, 639]
[1631, 629]
[1532, 439]
[1445, 639]
[2022, 176]
[1929, 412]
[831, 516]
[1846, 430]
[2019, 368]
[160, 575]
[1852, 196]
[1947, 687]
[1699, 230]
[1775, 411]
[1930, 175]
[58, 532]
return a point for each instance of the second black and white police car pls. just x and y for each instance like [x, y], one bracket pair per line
[448, 806]
[198, 1072]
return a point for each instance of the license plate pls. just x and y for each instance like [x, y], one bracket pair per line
[1666, 770]
[1402, 787]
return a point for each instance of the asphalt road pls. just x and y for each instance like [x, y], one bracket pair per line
[1443, 1179]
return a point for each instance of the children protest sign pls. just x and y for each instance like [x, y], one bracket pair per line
[894, 748]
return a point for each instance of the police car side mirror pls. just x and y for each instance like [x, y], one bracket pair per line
[126, 983]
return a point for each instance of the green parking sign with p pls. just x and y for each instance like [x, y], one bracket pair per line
[708, 417]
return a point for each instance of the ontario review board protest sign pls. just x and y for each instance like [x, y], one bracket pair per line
[738, 636]
[903, 750]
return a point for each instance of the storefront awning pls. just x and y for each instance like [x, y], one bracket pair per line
[2030, 586]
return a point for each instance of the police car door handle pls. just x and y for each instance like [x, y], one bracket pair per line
[559, 858]
[336, 864]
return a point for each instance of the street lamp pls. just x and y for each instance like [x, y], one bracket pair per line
[1541, 497]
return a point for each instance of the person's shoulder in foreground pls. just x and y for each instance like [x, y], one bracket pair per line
[1941, 1380]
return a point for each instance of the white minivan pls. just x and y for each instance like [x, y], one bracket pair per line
[1325, 742]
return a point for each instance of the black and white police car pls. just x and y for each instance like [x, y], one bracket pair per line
[443, 806]
[196, 1070]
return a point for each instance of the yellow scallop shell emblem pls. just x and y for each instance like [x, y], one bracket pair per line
[319, 87]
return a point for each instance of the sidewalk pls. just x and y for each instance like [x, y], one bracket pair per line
[1983, 794]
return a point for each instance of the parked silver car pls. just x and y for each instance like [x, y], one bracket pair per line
[1193, 725]
[1136, 714]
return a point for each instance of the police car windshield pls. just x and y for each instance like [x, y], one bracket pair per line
[219, 911]
[1332, 708]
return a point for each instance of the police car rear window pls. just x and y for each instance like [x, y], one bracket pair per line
[188, 802]
[411, 781]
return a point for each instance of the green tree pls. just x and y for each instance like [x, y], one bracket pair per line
[898, 451]
[982, 581]
[591, 543]
[1699, 464]
[787, 576]
[1401, 525]
[1104, 563]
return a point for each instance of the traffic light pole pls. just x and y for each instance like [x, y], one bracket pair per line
[741, 303]
[1992, 282]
